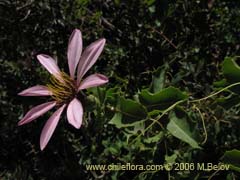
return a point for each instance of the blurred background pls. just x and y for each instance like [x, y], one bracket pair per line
[189, 38]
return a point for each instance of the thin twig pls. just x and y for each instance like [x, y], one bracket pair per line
[204, 127]
[159, 117]
[156, 121]
[216, 93]
[210, 177]
[164, 37]
[104, 20]
[25, 5]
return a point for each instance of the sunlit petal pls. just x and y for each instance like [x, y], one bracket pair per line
[74, 51]
[36, 91]
[50, 126]
[36, 111]
[89, 57]
[50, 64]
[75, 113]
[93, 81]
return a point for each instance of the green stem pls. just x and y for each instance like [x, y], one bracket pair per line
[203, 123]
[160, 116]
[216, 93]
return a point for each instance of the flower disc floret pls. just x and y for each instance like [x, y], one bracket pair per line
[63, 88]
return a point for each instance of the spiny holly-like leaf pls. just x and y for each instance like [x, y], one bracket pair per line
[229, 101]
[233, 159]
[171, 159]
[231, 69]
[180, 129]
[128, 113]
[163, 99]
[155, 138]
[158, 79]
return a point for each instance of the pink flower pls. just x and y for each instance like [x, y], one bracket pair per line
[64, 88]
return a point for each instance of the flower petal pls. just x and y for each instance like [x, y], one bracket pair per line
[50, 64]
[93, 81]
[75, 113]
[37, 111]
[36, 91]
[74, 51]
[89, 57]
[50, 126]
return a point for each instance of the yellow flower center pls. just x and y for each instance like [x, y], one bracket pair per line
[63, 89]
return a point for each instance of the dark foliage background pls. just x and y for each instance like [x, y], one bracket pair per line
[190, 39]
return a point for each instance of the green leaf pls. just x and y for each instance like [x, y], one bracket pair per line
[230, 176]
[117, 120]
[171, 159]
[161, 100]
[158, 79]
[180, 129]
[132, 110]
[154, 112]
[111, 95]
[231, 69]
[128, 113]
[155, 138]
[149, 2]
[233, 159]
[229, 101]
[221, 83]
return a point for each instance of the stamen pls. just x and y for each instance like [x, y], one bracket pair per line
[63, 88]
